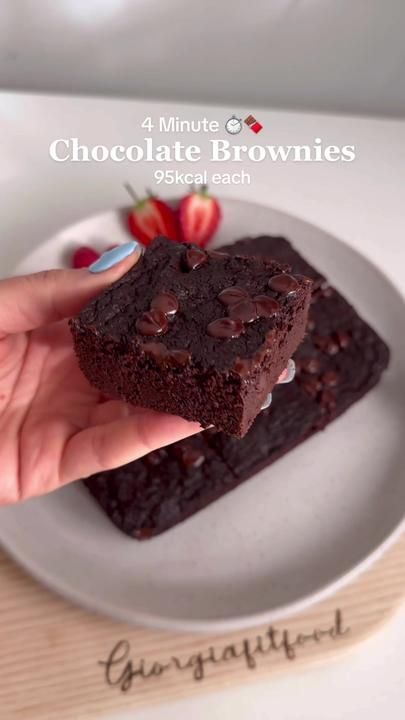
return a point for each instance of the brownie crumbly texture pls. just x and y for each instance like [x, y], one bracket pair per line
[203, 335]
[340, 359]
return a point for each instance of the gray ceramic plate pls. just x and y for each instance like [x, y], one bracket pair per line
[291, 535]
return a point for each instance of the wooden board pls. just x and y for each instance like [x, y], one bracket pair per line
[58, 661]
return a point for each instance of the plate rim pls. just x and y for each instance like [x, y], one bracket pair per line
[231, 624]
[235, 622]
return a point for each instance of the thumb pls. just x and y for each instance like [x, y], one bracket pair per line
[29, 301]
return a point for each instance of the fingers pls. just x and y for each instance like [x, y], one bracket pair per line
[29, 301]
[122, 433]
[109, 445]
[286, 376]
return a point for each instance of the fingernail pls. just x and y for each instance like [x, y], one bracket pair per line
[113, 257]
[267, 402]
[288, 375]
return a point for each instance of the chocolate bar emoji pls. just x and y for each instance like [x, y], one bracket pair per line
[253, 124]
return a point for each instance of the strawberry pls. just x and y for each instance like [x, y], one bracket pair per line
[84, 256]
[150, 217]
[200, 215]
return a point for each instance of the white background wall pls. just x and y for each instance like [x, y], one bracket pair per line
[336, 55]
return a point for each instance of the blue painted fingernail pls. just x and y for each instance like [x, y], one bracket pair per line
[267, 402]
[290, 373]
[113, 257]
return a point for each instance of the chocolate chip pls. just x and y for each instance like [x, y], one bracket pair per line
[327, 344]
[243, 366]
[195, 257]
[332, 348]
[232, 295]
[330, 378]
[310, 365]
[225, 328]
[312, 386]
[156, 349]
[283, 283]
[320, 341]
[244, 310]
[343, 339]
[179, 358]
[266, 306]
[153, 322]
[189, 456]
[166, 302]
[327, 400]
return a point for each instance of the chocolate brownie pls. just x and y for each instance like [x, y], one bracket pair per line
[203, 335]
[150, 495]
[340, 359]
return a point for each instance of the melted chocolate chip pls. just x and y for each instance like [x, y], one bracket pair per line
[327, 400]
[310, 365]
[332, 347]
[266, 306]
[233, 295]
[330, 378]
[283, 283]
[320, 341]
[166, 302]
[312, 386]
[343, 339]
[179, 358]
[189, 456]
[159, 351]
[244, 310]
[156, 349]
[243, 366]
[153, 322]
[225, 328]
[195, 257]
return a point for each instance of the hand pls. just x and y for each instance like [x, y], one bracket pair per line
[54, 427]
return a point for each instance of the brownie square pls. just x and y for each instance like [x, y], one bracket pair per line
[340, 360]
[194, 333]
[148, 496]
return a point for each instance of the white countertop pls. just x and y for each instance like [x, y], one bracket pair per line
[362, 202]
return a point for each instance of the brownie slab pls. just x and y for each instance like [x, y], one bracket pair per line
[340, 360]
[150, 495]
[203, 335]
